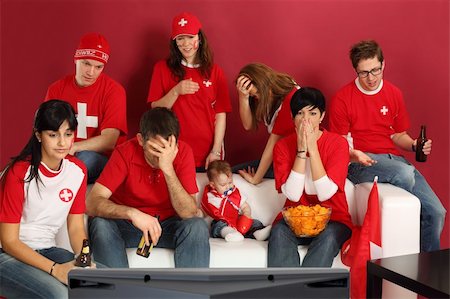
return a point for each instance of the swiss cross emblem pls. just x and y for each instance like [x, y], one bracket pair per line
[66, 195]
[85, 121]
[384, 110]
[207, 83]
[182, 22]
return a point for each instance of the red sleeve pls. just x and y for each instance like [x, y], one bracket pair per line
[184, 165]
[223, 103]
[283, 159]
[339, 120]
[12, 195]
[156, 89]
[284, 123]
[210, 209]
[336, 159]
[401, 120]
[115, 171]
[79, 203]
[115, 108]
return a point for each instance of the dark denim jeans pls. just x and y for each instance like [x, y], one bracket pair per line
[217, 226]
[283, 246]
[254, 164]
[94, 162]
[20, 280]
[189, 237]
[399, 172]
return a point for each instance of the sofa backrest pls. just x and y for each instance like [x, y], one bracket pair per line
[264, 199]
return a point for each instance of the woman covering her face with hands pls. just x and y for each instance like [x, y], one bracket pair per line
[310, 168]
[41, 189]
[264, 96]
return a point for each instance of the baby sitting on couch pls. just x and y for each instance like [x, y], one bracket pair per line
[228, 207]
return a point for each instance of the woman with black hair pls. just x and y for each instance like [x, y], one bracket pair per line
[40, 189]
[310, 168]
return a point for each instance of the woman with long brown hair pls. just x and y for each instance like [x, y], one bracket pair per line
[264, 96]
[195, 88]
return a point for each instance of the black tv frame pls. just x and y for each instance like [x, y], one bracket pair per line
[209, 283]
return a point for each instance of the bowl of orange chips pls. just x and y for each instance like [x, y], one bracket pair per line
[307, 221]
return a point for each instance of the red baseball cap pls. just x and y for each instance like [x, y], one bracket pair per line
[93, 46]
[185, 23]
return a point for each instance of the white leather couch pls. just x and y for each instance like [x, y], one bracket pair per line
[400, 224]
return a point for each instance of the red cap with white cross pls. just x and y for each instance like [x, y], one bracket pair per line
[185, 23]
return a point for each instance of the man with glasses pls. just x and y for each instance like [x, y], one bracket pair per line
[370, 112]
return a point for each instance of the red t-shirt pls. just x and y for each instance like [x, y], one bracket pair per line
[134, 183]
[333, 151]
[282, 122]
[195, 112]
[99, 106]
[371, 119]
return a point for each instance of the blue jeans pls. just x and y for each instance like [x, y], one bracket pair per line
[20, 280]
[283, 246]
[399, 172]
[189, 237]
[217, 226]
[94, 162]
[254, 164]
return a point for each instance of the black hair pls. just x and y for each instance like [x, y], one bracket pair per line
[159, 121]
[49, 116]
[307, 96]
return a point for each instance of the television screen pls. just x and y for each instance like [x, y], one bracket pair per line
[209, 283]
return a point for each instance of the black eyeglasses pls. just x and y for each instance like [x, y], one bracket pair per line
[375, 72]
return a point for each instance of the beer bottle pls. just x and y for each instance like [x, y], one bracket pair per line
[84, 259]
[420, 156]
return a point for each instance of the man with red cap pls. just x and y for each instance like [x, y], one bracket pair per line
[99, 101]
[195, 88]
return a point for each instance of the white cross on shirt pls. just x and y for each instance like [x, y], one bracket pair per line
[207, 83]
[85, 121]
[384, 110]
[182, 22]
[66, 195]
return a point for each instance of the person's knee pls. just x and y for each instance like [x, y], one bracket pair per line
[280, 234]
[195, 228]
[59, 291]
[404, 177]
[100, 228]
[334, 236]
[434, 214]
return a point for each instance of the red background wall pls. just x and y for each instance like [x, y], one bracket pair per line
[307, 39]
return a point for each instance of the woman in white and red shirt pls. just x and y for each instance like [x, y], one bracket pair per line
[41, 189]
[310, 168]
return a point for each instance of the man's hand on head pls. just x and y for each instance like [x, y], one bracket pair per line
[165, 151]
